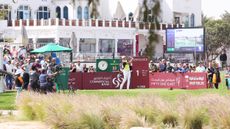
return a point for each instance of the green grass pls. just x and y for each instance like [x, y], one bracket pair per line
[7, 100]
[165, 93]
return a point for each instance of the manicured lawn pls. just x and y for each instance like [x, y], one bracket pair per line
[165, 93]
[7, 100]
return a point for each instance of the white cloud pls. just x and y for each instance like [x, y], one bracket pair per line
[215, 8]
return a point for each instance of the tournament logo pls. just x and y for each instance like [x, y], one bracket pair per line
[118, 80]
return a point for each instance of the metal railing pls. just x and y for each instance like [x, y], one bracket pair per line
[89, 23]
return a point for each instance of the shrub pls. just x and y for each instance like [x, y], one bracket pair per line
[170, 119]
[130, 119]
[25, 104]
[195, 119]
[64, 111]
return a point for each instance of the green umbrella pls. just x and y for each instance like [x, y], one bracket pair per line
[51, 47]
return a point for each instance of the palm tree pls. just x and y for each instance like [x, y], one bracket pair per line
[93, 4]
[3, 14]
[151, 15]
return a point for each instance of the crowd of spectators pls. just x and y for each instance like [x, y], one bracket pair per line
[212, 70]
[33, 72]
[77, 67]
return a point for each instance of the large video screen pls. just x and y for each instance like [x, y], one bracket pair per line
[187, 40]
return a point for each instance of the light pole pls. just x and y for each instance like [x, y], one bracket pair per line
[195, 50]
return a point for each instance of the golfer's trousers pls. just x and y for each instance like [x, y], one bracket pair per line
[127, 77]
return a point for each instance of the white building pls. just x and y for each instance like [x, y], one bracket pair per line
[46, 21]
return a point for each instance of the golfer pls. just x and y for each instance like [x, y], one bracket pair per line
[126, 70]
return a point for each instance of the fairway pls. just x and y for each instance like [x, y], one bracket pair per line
[7, 99]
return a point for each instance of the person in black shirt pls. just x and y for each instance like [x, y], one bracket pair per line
[210, 72]
[223, 58]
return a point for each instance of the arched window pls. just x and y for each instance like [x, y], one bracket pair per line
[58, 12]
[86, 13]
[43, 12]
[192, 19]
[79, 12]
[65, 12]
[23, 12]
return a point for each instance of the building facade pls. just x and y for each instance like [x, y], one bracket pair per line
[62, 21]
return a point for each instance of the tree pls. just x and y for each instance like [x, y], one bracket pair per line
[217, 35]
[3, 14]
[152, 6]
[94, 4]
[152, 18]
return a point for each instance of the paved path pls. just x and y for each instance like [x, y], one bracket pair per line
[23, 125]
[7, 124]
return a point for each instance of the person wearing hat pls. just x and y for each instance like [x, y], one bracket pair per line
[18, 83]
[200, 68]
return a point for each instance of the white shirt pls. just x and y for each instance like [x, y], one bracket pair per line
[9, 68]
[200, 69]
[79, 68]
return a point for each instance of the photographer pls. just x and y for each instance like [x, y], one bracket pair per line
[53, 71]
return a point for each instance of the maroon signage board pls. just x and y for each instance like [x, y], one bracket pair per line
[195, 81]
[75, 80]
[101, 80]
[178, 80]
[165, 80]
[140, 73]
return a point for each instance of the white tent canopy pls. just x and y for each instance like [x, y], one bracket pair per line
[120, 13]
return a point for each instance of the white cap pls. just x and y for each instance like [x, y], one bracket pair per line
[17, 72]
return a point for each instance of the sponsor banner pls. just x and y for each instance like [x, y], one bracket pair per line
[101, 80]
[75, 80]
[195, 80]
[178, 80]
[108, 80]
[165, 80]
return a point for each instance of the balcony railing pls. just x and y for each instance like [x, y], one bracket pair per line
[89, 23]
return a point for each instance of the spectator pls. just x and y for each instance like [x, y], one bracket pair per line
[216, 77]
[91, 69]
[37, 64]
[14, 52]
[85, 69]
[25, 77]
[73, 68]
[34, 79]
[43, 81]
[227, 77]
[140, 53]
[18, 82]
[78, 67]
[200, 68]
[9, 78]
[169, 68]
[210, 71]
[162, 66]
